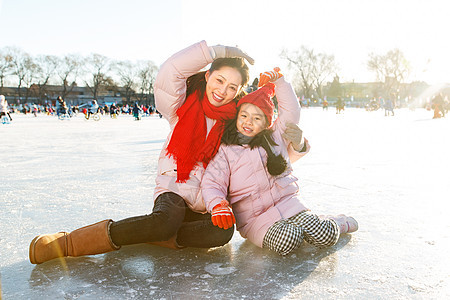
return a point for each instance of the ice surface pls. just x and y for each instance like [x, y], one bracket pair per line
[390, 173]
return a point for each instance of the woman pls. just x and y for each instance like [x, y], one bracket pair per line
[196, 104]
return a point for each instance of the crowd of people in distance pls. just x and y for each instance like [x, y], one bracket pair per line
[59, 108]
[439, 104]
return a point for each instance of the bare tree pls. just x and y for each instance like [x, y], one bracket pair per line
[146, 74]
[5, 67]
[391, 69]
[128, 75]
[97, 67]
[324, 68]
[46, 69]
[312, 68]
[23, 69]
[32, 69]
[67, 71]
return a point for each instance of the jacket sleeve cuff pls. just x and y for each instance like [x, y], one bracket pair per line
[213, 204]
[280, 81]
[295, 155]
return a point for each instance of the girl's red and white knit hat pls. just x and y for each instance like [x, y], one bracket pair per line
[262, 98]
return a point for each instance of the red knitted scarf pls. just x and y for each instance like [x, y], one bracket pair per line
[189, 143]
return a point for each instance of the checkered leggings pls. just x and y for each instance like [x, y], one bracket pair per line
[286, 235]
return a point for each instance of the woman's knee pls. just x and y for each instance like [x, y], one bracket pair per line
[202, 234]
[218, 237]
[223, 236]
[170, 203]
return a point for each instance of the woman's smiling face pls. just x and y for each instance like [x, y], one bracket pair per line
[250, 120]
[222, 85]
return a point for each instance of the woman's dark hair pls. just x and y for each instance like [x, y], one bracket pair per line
[198, 81]
[276, 164]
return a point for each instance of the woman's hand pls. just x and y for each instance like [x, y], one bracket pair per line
[269, 76]
[227, 51]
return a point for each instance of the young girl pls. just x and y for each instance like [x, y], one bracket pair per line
[252, 171]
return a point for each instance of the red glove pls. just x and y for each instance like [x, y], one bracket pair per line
[269, 76]
[222, 216]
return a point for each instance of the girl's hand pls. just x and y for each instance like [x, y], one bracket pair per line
[227, 51]
[294, 134]
[269, 76]
[222, 216]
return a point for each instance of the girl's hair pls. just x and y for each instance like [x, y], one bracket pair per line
[276, 164]
[198, 81]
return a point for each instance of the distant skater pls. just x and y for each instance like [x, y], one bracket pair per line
[340, 105]
[35, 110]
[113, 111]
[137, 112]
[4, 107]
[92, 108]
[438, 106]
[388, 107]
[61, 106]
[325, 105]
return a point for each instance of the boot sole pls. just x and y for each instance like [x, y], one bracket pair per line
[31, 252]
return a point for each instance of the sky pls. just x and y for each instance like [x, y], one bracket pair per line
[153, 30]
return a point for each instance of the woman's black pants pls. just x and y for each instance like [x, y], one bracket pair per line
[171, 216]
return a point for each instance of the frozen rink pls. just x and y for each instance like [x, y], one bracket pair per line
[390, 173]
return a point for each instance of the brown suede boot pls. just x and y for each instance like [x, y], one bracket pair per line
[91, 239]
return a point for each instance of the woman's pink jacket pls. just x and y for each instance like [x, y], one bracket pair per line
[240, 175]
[170, 94]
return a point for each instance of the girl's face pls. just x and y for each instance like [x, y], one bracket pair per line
[251, 120]
[222, 85]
